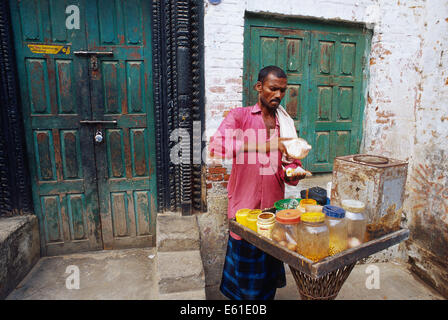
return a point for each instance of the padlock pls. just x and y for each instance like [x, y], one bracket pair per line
[99, 137]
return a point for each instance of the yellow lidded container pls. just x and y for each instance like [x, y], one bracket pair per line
[241, 216]
[313, 236]
[305, 202]
[313, 217]
[252, 218]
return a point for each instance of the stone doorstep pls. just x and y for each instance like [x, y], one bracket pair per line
[177, 233]
[180, 271]
[19, 250]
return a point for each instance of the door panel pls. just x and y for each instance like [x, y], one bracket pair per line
[325, 72]
[88, 196]
[287, 49]
[335, 94]
[54, 92]
[121, 91]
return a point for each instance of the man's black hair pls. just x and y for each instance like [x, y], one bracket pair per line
[276, 71]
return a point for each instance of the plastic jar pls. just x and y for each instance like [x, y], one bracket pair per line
[337, 225]
[304, 202]
[285, 228]
[252, 218]
[312, 208]
[356, 222]
[265, 224]
[313, 236]
[241, 216]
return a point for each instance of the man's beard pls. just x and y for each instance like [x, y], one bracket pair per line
[268, 105]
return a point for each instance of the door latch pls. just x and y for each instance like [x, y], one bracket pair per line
[93, 63]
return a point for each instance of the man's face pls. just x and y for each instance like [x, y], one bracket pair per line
[271, 91]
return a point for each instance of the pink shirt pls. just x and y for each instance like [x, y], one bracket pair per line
[257, 179]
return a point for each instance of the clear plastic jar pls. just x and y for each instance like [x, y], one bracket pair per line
[285, 228]
[337, 225]
[313, 236]
[265, 224]
[356, 222]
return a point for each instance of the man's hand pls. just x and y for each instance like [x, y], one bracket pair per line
[296, 177]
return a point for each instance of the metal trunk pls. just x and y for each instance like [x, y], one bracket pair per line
[378, 182]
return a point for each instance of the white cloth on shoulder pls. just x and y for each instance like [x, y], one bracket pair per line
[297, 148]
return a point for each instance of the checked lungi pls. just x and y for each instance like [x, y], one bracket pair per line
[249, 273]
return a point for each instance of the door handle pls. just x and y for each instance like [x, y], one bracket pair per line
[87, 53]
[98, 122]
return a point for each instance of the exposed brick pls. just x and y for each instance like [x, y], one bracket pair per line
[215, 177]
[224, 184]
[217, 89]
[209, 185]
[217, 170]
[226, 177]
[235, 80]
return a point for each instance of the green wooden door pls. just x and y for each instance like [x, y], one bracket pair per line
[121, 90]
[324, 65]
[75, 179]
[333, 121]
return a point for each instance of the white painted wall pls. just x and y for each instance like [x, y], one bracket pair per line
[406, 112]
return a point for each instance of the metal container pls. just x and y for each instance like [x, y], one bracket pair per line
[378, 182]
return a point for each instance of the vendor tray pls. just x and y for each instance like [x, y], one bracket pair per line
[322, 267]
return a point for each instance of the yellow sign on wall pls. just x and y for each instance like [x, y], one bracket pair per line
[49, 49]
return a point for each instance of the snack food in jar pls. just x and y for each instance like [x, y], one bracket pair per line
[356, 221]
[337, 226]
[265, 224]
[285, 228]
[313, 236]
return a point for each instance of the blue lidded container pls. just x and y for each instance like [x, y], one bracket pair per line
[337, 225]
[333, 211]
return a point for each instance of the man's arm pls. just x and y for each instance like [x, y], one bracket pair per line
[272, 145]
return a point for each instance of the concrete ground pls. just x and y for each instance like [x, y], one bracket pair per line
[131, 274]
[394, 282]
[103, 275]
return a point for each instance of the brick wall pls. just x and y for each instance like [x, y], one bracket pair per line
[217, 176]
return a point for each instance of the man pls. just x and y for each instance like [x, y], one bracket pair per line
[250, 136]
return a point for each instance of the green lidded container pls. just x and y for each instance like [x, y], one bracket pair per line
[283, 204]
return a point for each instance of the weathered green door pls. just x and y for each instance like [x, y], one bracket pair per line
[121, 89]
[88, 195]
[324, 65]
